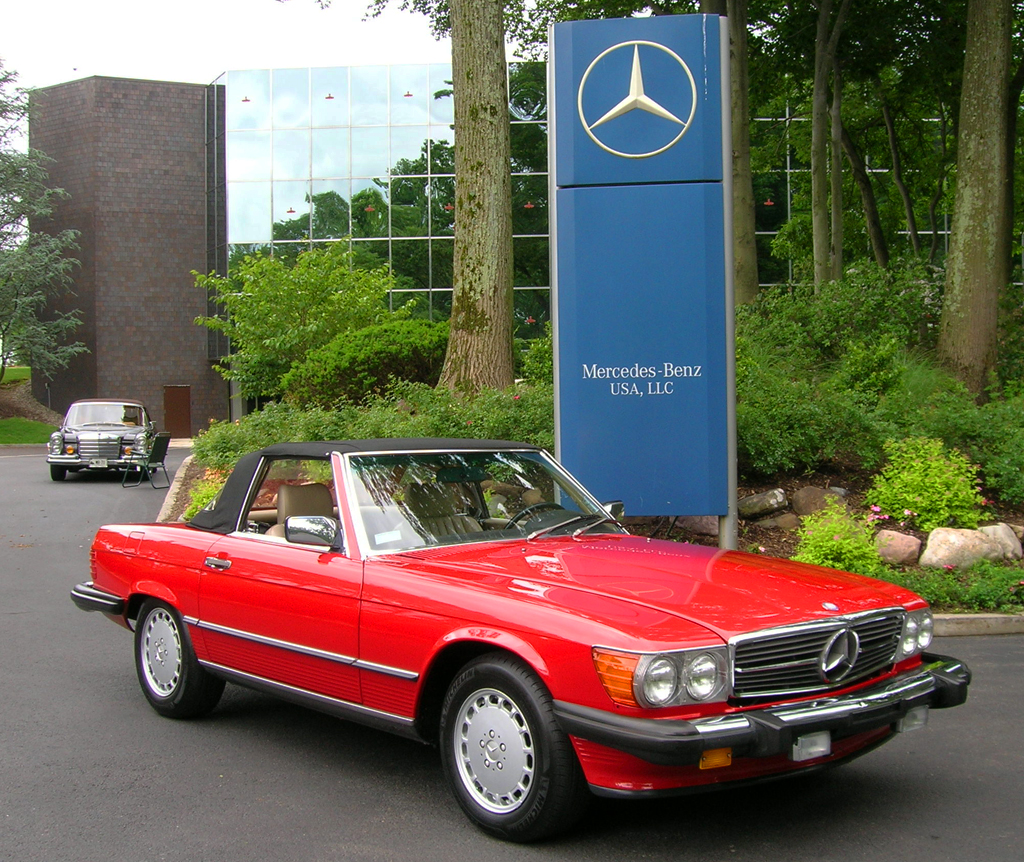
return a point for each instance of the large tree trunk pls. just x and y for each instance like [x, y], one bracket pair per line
[480, 345]
[836, 175]
[978, 266]
[744, 235]
[825, 42]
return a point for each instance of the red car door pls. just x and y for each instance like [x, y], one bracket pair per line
[283, 613]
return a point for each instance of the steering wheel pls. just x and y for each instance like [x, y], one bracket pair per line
[530, 511]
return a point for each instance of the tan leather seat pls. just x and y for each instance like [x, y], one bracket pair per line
[304, 500]
[434, 511]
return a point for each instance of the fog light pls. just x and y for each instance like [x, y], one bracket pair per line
[811, 746]
[913, 720]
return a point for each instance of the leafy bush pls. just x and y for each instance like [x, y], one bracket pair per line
[358, 364]
[833, 537]
[985, 586]
[927, 485]
[538, 360]
[202, 492]
[524, 413]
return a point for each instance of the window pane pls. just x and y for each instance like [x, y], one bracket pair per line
[369, 95]
[530, 264]
[442, 108]
[527, 88]
[291, 154]
[531, 309]
[248, 156]
[331, 153]
[441, 255]
[370, 152]
[442, 206]
[369, 254]
[408, 149]
[410, 263]
[409, 94]
[530, 205]
[291, 98]
[409, 206]
[369, 208]
[248, 100]
[442, 150]
[331, 209]
[329, 96]
[291, 210]
[529, 143]
[249, 212]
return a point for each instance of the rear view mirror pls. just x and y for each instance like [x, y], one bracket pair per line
[615, 508]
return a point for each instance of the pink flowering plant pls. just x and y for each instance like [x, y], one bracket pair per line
[925, 485]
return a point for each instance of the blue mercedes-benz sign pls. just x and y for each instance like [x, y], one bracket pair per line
[640, 264]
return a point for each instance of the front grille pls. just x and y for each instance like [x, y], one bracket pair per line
[96, 447]
[788, 661]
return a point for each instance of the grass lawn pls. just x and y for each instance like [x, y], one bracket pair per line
[16, 374]
[24, 431]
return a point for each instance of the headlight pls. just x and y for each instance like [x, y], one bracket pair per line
[664, 679]
[918, 630]
[56, 443]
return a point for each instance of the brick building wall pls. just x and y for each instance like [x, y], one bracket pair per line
[131, 154]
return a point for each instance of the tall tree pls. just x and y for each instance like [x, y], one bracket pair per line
[34, 267]
[978, 267]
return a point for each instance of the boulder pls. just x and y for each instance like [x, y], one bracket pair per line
[897, 549]
[959, 548]
[763, 504]
[1008, 541]
[785, 521]
[807, 501]
[699, 525]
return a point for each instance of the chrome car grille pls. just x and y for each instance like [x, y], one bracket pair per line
[795, 660]
[97, 447]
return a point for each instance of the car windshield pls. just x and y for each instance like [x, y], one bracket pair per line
[416, 500]
[93, 413]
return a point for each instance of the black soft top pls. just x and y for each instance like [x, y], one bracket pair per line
[222, 516]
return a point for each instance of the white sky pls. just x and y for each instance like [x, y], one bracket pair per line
[193, 41]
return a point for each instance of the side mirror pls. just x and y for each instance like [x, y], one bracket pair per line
[313, 530]
[615, 508]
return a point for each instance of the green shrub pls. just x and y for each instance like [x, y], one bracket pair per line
[356, 365]
[985, 586]
[538, 361]
[524, 413]
[202, 492]
[927, 485]
[833, 537]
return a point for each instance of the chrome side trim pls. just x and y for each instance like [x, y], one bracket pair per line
[410, 675]
[398, 672]
[274, 642]
[305, 697]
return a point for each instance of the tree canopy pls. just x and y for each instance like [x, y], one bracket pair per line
[34, 268]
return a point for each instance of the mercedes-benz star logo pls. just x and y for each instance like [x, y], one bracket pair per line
[637, 100]
[839, 655]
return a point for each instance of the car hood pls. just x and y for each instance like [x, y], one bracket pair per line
[728, 592]
[105, 428]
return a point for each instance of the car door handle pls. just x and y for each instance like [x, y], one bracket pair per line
[218, 563]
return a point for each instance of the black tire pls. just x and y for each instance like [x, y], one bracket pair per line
[174, 682]
[509, 765]
[57, 473]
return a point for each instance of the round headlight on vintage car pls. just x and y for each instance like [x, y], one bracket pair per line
[660, 681]
[917, 634]
[56, 443]
[704, 676]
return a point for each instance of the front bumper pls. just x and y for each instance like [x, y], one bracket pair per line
[88, 597]
[78, 463]
[939, 683]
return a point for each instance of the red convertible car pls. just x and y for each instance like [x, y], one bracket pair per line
[471, 594]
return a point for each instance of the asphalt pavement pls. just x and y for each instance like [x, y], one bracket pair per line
[89, 772]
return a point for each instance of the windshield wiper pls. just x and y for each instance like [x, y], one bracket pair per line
[543, 531]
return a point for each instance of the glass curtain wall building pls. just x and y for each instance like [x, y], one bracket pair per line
[365, 155]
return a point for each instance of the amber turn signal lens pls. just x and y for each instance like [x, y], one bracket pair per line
[615, 671]
[716, 758]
